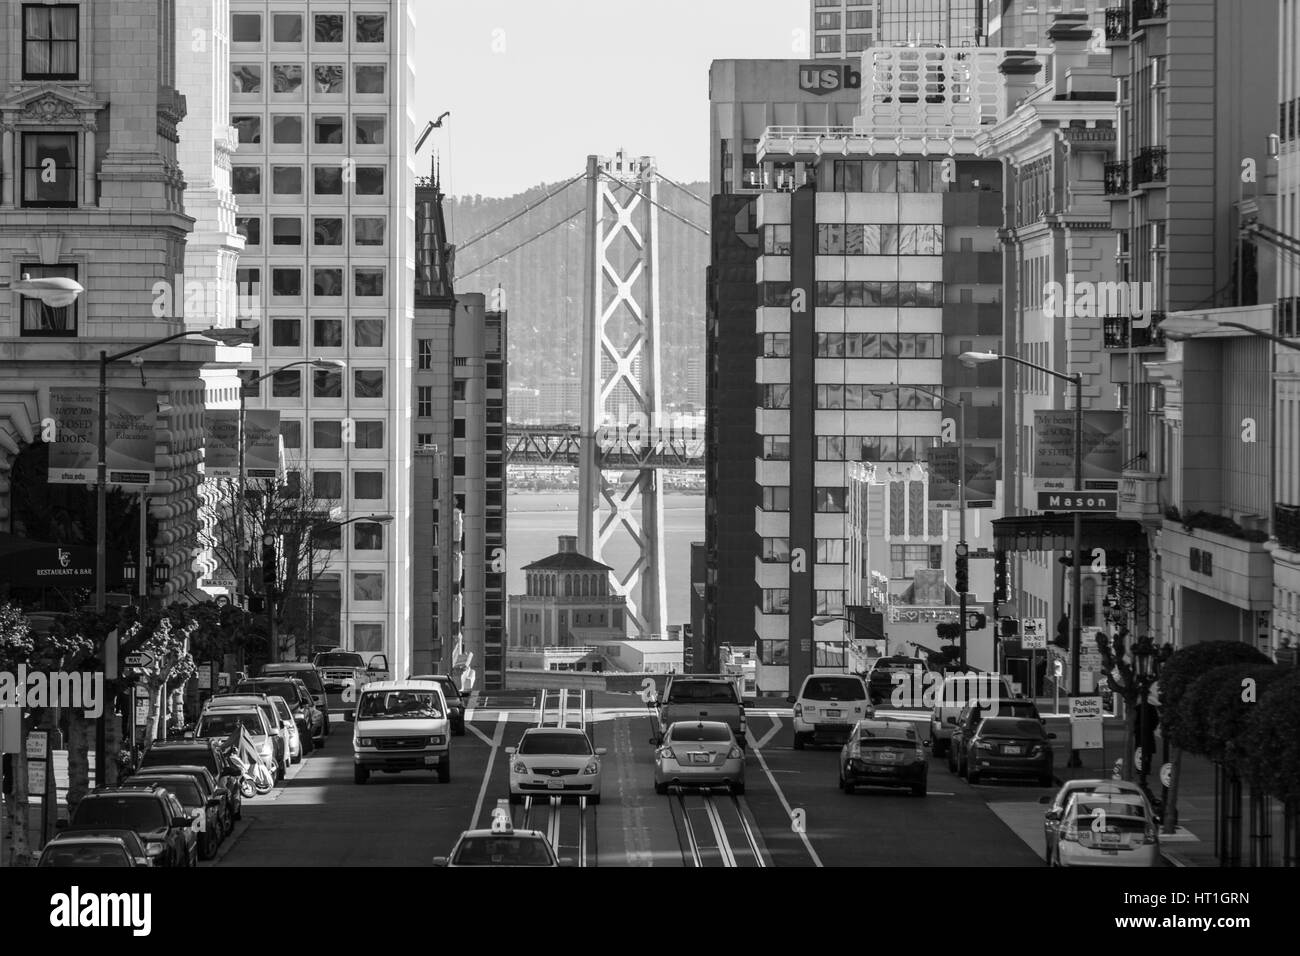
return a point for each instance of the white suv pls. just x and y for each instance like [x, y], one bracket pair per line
[401, 725]
[828, 707]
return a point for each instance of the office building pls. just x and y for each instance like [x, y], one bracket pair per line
[1023, 24]
[845, 28]
[92, 97]
[324, 179]
[568, 602]
[1055, 142]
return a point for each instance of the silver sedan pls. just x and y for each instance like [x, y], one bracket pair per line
[699, 754]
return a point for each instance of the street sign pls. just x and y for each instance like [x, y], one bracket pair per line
[1085, 723]
[1033, 634]
[140, 659]
[38, 742]
[1090, 501]
[1085, 708]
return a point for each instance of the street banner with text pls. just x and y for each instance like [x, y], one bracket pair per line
[981, 476]
[262, 457]
[132, 436]
[1103, 451]
[72, 454]
[221, 443]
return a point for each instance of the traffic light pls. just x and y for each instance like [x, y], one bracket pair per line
[268, 563]
[1001, 583]
[963, 578]
[948, 631]
[978, 622]
[1063, 631]
[1010, 627]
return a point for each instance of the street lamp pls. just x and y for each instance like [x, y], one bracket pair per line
[225, 337]
[55, 291]
[241, 556]
[1188, 326]
[971, 359]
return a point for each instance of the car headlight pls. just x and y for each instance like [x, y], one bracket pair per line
[365, 742]
[437, 740]
[519, 767]
[593, 767]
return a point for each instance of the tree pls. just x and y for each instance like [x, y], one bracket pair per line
[1271, 739]
[1119, 663]
[298, 518]
[1183, 668]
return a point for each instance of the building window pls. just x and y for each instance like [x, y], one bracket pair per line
[249, 128]
[458, 466]
[826, 21]
[424, 401]
[776, 447]
[458, 390]
[906, 559]
[831, 500]
[326, 537]
[368, 383]
[368, 485]
[286, 384]
[286, 333]
[775, 653]
[368, 536]
[368, 586]
[828, 44]
[327, 282]
[50, 35]
[326, 434]
[370, 78]
[328, 180]
[367, 638]
[286, 28]
[327, 383]
[327, 485]
[368, 230]
[286, 282]
[776, 600]
[368, 282]
[328, 78]
[286, 180]
[250, 227]
[830, 550]
[286, 130]
[245, 78]
[370, 28]
[776, 498]
[246, 180]
[776, 345]
[245, 28]
[44, 321]
[425, 355]
[776, 240]
[327, 333]
[829, 602]
[50, 170]
[776, 549]
[286, 77]
[776, 395]
[458, 428]
[327, 231]
[286, 231]
[329, 28]
[424, 440]
[369, 434]
[291, 432]
[370, 180]
[369, 130]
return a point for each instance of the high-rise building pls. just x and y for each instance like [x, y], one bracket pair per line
[1023, 24]
[845, 28]
[1286, 480]
[324, 179]
[92, 188]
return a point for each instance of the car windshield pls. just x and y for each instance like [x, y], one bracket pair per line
[575, 745]
[869, 742]
[502, 851]
[834, 688]
[164, 756]
[186, 791]
[83, 854]
[286, 689]
[306, 673]
[704, 733]
[223, 723]
[449, 688]
[142, 813]
[701, 692]
[1010, 727]
[339, 659]
[398, 705]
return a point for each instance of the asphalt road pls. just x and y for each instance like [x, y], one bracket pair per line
[319, 817]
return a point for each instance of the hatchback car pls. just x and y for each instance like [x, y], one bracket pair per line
[203, 805]
[1010, 747]
[1056, 805]
[885, 753]
[1107, 829]
[701, 754]
[828, 707]
[557, 762]
[455, 700]
[94, 850]
[163, 825]
[972, 715]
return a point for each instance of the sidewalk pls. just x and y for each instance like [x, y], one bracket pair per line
[1193, 842]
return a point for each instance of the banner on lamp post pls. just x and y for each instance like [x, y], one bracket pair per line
[1103, 450]
[132, 436]
[262, 457]
[73, 456]
[221, 443]
[981, 476]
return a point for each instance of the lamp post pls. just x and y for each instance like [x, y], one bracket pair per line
[972, 359]
[225, 337]
[1185, 327]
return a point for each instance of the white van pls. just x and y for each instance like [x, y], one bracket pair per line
[828, 707]
[401, 725]
[956, 692]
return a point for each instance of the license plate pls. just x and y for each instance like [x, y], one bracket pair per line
[888, 757]
[431, 761]
[699, 758]
[1011, 750]
[1109, 837]
[834, 713]
[555, 785]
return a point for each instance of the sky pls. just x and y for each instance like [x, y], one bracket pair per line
[535, 86]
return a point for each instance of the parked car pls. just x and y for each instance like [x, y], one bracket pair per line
[1107, 829]
[278, 734]
[1057, 804]
[203, 805]
[221, 723]
[401, 725]
[969, 720]
[208, 783]
[297, 695]
[702, 698]
[455, 700]
[828, 707]
[307, 673]
[340, 670]
[956, 691]
[290, 727]
[885, 753]
[555, 761]
[700, 754]
[1009, 747]
[103, 847]
[198, 753]
[164, 826]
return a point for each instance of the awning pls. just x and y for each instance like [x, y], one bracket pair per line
[39, 564]
[1055, 532]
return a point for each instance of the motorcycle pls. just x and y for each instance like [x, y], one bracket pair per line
[254, 778]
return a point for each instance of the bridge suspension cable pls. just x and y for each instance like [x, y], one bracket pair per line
[520, 245]
[509, 219]
[659, 205]
[699, 199]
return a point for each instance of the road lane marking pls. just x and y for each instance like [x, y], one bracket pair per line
[478, 733]
[497, 738]
[817, 861]
[767, 737]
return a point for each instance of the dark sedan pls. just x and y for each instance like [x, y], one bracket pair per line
[884, 753]
[1010, 747]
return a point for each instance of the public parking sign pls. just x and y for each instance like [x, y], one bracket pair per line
[1097, 501]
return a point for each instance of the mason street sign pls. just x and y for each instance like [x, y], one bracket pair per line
[1078, 501]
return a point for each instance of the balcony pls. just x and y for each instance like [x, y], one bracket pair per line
[1139, 496]
[1149, 166]
[1148, 10]
[1286, 526]
[1116, 178]
[1117, 24]
[1118, 333]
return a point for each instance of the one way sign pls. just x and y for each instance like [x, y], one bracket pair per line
[142, 659]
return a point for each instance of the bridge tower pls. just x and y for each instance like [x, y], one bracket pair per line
[621, 347]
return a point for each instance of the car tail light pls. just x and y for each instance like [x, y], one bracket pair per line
[1149, 835]
[983, 745]
[735, 753]
[1070, 832]
[667, 753]
[798, 709]
[920, 753]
